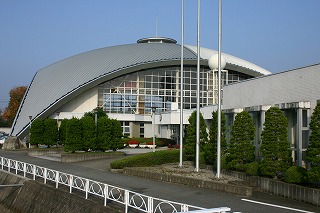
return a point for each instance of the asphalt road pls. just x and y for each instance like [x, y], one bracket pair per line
[99, 170]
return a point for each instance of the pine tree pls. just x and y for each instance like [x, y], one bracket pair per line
[210, 150]
[241, 148]
[190, 140]
[50, 135]
[275, 148]
[313, 151]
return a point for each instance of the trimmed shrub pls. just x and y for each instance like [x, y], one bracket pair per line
[63, 131]
[210, 150]
[295, 174]
[148, 159]
[241, 148]
[50, 134]
[116, 135]
[313, 151]
[73, 136]
[88, 132]
[253, 168]
[275, 147]
[36, 132]
[190, 139]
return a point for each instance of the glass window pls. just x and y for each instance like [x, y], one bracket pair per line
[304, 118]
[137, 92]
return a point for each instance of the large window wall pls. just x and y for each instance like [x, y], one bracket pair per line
[136, 93]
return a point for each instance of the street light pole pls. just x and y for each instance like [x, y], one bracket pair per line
[58, 113]
[153, 129]
[30, 118]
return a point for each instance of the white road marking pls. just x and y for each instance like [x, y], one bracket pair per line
[283, 207]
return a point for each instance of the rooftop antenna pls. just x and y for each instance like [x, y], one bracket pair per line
[156, 26]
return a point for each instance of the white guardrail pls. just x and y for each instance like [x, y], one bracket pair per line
[107, 192]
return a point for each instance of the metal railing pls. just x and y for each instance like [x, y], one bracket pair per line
[107, 192]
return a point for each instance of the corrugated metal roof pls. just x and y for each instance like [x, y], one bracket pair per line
[55, 84]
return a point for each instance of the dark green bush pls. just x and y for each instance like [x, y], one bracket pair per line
[36, 132]
[50, 134]
[253, 168]
[295, 174]
[148, 159]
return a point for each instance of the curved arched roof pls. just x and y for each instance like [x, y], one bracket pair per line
[58, 83]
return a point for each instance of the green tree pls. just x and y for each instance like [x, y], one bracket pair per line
[98, 111]
[73, 136]
[89, 132]
[50, 134]
[104, 128]
[190, 139]
[210, 149]
[241, 148]
[36, 132]
[63, 131]
[275, 147]
[313, 151]
[116, 135]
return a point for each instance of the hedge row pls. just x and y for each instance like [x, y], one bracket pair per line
[148, 159]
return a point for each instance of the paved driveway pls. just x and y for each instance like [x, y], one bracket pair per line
[99, 170]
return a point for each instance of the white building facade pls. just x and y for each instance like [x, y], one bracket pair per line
[295, 92]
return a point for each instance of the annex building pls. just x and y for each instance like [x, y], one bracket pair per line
[296, 92]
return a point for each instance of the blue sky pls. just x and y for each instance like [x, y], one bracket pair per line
[277, 35]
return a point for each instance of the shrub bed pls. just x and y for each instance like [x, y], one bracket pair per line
[148, 159]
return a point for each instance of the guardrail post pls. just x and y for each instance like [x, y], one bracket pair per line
[184, 208]
[24, 169]
[87, 188]
[9, 165]
[34, 171]
[70, 183]
[16, 167]
[126, 200]
[105, 191]
[57, 179]
[45, 175]
[150, 205]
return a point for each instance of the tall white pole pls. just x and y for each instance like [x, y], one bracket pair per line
[219, 94]
[198, 94]
[30, 118]
[181, 83]
[153, 132]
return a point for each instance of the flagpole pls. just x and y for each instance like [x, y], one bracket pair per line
[219, 94]
[181, 83]
[198, 94]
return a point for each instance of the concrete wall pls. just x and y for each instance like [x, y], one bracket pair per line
[226, 187]
[34, 197]
[69, 157]
[276, 187]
